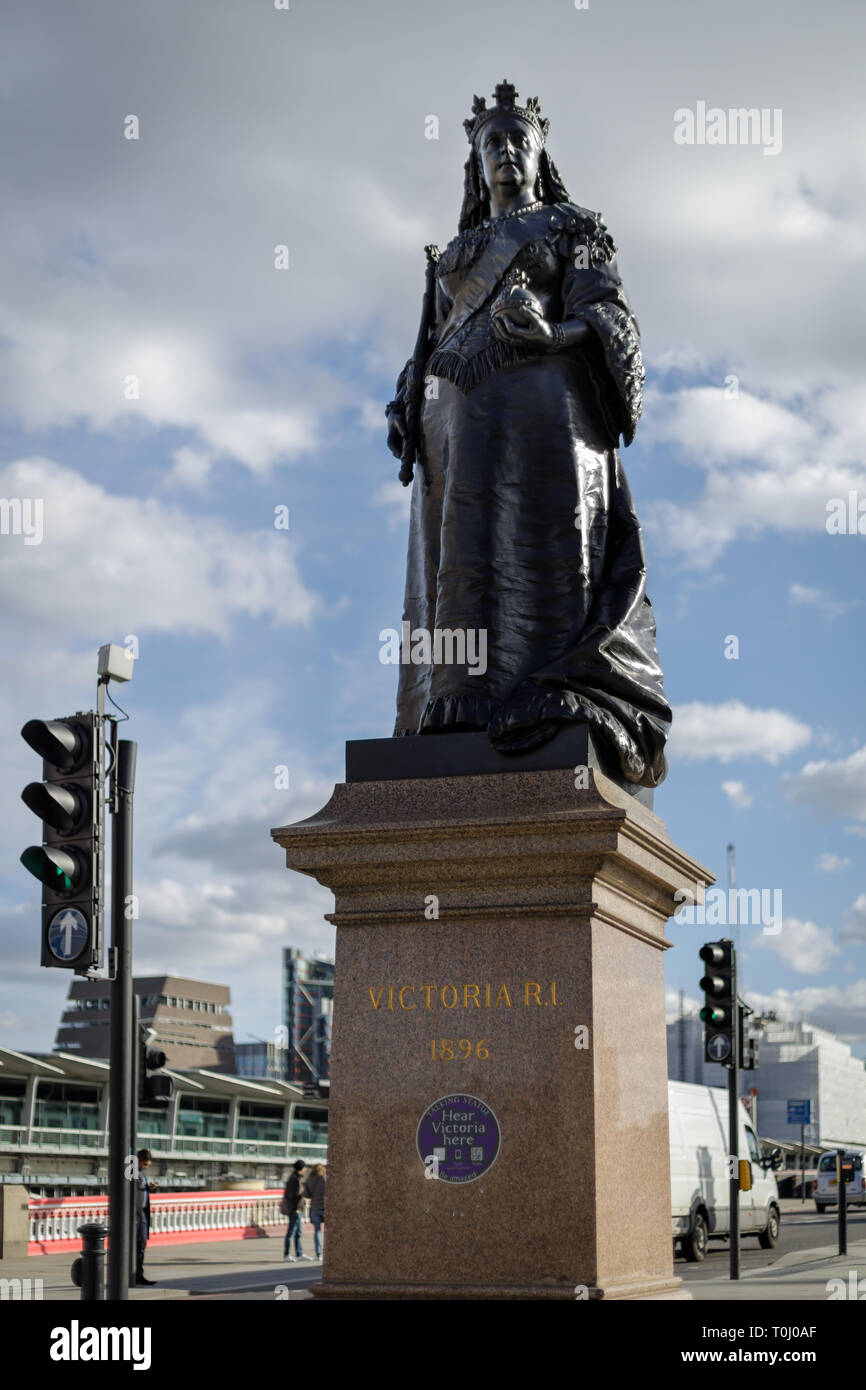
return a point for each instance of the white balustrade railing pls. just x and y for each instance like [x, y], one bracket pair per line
[177, 1214]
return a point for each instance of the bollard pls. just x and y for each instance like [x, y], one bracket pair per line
[88, 1271]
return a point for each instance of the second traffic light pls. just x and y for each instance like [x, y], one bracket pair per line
[154, 1087]
[749, 1043]
[69, 862]
[719, 1013]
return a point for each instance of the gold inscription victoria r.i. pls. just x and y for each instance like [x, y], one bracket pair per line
[530, 993]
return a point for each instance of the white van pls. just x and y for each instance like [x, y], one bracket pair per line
[700, 1182]
[827, 1188]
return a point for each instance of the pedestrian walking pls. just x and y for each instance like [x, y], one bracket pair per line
[315, 1190]
[143, 1190]
[292, 1205]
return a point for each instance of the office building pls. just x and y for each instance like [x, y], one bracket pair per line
[190, 1020]
[308, 996]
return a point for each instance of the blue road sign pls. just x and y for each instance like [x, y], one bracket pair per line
[719, 1047]
[67, 933]
[799, 1112]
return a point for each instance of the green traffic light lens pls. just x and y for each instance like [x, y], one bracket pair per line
[55, 868]
[713, 1015]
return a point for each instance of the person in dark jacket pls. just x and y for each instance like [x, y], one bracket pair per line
[293, 1196]
[315, 1190]
[142, 1210]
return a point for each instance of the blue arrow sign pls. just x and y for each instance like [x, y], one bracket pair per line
[719, 1047]
[67, 933]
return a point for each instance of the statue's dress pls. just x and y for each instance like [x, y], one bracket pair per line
[522, 522]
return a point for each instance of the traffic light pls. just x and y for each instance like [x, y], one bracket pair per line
[749, 1043]
[720, 1004]
[154, 1090]
[69, 862]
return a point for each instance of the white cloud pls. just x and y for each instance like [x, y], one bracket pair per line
[396, 499]
[738, 794]
[672, 1005]
[855, 920]
[832, 863]
[144, 566]
[831, 789]
[839, 1010]
[771, 466]
[806, 596]
[803, 946]
[372, 417]
[714, 428]
[731, 731]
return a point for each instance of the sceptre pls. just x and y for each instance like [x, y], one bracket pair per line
[415, 375]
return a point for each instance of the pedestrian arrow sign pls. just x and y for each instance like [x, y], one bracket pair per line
[68, 933]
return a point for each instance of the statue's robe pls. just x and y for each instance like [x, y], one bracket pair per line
[522, 523]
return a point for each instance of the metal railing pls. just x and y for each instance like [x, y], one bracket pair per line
[174, 1216]
[19, 1138]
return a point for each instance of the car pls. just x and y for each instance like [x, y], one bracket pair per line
[700, 1174]
[826, 1191]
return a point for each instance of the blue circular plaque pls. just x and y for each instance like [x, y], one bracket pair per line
[458, 1138]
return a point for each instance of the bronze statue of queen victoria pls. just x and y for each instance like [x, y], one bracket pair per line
[526, 375]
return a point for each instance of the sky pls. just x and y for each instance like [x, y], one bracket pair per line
[169, 386]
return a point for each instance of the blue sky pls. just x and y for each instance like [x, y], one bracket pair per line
[258, 388]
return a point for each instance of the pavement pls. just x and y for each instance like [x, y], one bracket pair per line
[209, 1269]
[800, 1276]
[255, 1269]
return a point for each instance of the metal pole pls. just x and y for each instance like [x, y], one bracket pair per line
[120, 1019]
[734, 1132]
[732, 883]
[843, 1202]
[133, 1138]
[802, 1163]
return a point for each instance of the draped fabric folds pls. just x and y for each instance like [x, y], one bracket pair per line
[522, 524]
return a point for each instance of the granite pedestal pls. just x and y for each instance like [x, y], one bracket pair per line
[520, 912]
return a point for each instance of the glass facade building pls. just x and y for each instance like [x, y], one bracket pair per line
[308, 1000]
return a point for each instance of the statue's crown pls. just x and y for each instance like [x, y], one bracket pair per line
[505, 98]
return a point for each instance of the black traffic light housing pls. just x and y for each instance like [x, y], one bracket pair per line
[69, 862]
[749, 1043]
[154, 1089]
[719, 1014]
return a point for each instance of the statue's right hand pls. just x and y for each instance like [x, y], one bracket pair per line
[396, 432]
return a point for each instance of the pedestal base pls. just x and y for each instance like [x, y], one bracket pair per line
[498, 977]
[664, 1290]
